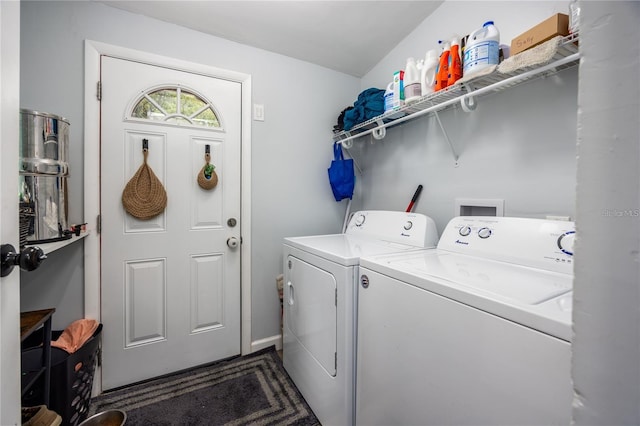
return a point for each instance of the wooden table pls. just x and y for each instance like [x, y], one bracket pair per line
[30, 322]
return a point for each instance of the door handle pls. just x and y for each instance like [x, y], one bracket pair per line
[232, 242]
[28, 259]
[290, 299]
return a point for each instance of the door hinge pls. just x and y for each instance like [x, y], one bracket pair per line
[99, 224]
[335, 359]
[99, 91]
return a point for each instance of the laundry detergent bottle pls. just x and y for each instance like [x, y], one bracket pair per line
[412, 89]
[390, 102]
[428, 72]
[442, 75]
[482, 49]
[388, 98]
[455, 63]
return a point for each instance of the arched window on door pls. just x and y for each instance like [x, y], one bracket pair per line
[175, 105]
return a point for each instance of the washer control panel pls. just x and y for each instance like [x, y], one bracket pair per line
[540, 243]
[413, 229]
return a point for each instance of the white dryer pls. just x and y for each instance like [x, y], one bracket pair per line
[320, 299]
[475, 332]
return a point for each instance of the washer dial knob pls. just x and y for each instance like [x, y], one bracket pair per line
[565, 242]
[465, 230]
[360, 220]
[484, 232]
[408, 225]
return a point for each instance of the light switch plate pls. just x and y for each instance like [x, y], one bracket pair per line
[258, 112]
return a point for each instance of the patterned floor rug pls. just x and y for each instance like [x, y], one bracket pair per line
[249, 390]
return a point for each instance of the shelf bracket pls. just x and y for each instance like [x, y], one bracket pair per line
[468, 102]
[446, 137]
[379, 132]
[348, 143]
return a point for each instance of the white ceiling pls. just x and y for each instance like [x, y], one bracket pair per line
[347, 36]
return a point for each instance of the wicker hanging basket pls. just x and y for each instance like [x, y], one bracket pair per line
[144, 197]
[207, 177]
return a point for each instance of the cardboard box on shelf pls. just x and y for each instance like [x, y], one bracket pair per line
[556, 25]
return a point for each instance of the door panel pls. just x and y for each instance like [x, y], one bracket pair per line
[145, 300]
[157, 162]
[207, 310]
[206, 206]
[311, 304]
[169, 285]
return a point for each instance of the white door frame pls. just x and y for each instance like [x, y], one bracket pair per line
[9, 140]
[93, 50]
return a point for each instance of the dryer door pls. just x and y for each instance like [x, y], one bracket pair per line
[310, 304]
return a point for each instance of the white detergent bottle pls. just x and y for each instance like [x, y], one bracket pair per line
[482, 49]
[388, 98]
[428, 72]
[390, 103]
[412, 90]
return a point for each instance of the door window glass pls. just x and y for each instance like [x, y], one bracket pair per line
[177, 106]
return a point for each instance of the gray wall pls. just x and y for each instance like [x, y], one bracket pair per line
[606, 302]
[291, 149]
[518, 145]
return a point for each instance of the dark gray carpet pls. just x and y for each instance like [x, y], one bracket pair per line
[249, 390]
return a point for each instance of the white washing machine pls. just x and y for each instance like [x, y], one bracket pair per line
[474, 332]
[320, 299]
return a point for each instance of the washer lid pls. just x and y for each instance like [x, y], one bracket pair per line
[345, 249]
[490, 278]
[532, 297]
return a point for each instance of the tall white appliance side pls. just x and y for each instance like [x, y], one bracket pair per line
[429, 360]
[318, 333]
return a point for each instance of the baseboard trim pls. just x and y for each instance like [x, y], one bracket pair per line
[266, 342]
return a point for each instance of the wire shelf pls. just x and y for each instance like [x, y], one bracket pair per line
[566, 56]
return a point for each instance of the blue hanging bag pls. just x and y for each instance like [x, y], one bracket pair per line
[341, 175]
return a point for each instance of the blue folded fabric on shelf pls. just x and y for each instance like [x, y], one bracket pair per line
[370, 103]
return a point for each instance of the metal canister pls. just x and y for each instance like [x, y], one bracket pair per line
[44, 170]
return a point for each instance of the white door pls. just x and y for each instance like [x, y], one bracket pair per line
[170, 285]
[9, 285]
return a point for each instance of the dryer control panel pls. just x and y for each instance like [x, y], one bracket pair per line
[412, 229]
[538, 243]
